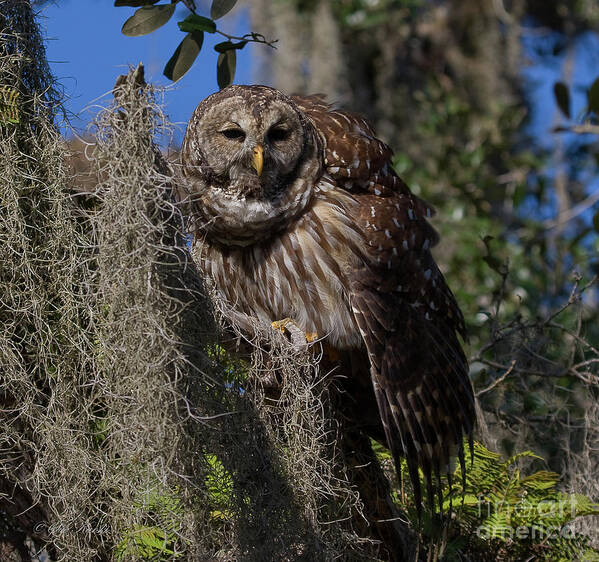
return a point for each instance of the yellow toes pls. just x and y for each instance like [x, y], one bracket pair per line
[287, 324]
[311, 336]
[281, 324]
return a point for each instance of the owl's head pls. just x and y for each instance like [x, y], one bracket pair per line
[253, 158]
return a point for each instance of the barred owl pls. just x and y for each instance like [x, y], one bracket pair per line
[300, 215]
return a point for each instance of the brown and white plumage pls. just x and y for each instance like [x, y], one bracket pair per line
[328, 235]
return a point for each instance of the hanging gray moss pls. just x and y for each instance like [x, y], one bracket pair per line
[127, 431]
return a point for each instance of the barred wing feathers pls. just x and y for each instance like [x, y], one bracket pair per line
[405, 311]
[353, 156]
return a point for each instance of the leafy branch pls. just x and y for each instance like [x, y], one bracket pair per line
[150, 16]
[590, 124]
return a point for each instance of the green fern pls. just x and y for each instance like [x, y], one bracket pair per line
[219, 483]
[156, 539]
[504, 514]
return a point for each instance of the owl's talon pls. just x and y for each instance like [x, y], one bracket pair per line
[298, 337]
[281, 325]
[311, 336]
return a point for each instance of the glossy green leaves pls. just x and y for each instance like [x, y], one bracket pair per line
[228, 46]
[150, 15]
[562, 97]
[225, 68]
[184, 56]
[147, 19]
[593, 97]
[193, 22]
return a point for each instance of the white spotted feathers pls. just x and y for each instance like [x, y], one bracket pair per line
[341, 246]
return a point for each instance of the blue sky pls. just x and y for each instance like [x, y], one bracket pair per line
[542, 70]
[87, 52]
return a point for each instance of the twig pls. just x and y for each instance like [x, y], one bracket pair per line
[250, 37]
[584, 129]
[498, 380]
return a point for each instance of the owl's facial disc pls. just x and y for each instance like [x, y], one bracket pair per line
[252, 153]
[253, 159]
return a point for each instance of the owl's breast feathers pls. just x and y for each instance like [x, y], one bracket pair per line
[301, 273]
[356, 267]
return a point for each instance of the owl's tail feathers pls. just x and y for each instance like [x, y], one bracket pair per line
[426, 403]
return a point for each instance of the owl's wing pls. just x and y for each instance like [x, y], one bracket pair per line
[410, 323]
[406, 313]
[353, 156]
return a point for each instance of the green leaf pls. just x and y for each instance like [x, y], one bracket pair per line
[229, 46]
[593, 96]
[147, 19]
[193, 22]
[221, 7]
[579, 504]
[525, 454]
[185, 54]
[221, 515]
[596, 221]
[134, 3]
[225, 69]
[519, 194]
[497, 525]
[562, 97]
[542, 480]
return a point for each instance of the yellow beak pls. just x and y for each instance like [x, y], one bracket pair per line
[258, 159]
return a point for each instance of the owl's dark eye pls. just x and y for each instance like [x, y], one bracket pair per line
[236, 134]
[278, 134]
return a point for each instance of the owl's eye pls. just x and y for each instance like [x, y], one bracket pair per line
[278, 134]
[236, 134]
